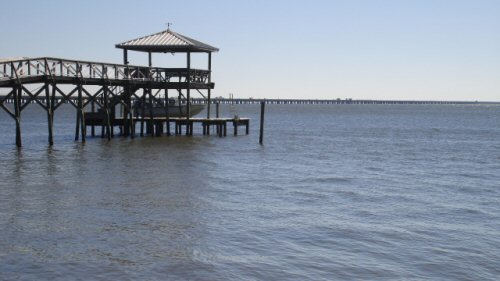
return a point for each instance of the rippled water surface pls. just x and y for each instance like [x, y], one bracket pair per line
[337, 192]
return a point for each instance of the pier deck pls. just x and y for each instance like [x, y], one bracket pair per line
[157, 126]
[64, 71]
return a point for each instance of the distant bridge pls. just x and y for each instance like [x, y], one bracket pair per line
[331, 101]
[63, 99]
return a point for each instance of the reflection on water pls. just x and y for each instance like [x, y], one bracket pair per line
[120, 203]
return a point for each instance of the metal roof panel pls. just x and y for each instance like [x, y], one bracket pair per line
[166, 41]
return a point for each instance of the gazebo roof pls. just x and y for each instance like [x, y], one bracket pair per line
[166, 41]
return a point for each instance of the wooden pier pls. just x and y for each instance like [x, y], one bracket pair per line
[110, 90]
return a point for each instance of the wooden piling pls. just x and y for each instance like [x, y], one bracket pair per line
[80, 120]
[77, 127]
[106, 110]
[158, 128]
[126, 109]
[217, 108]
[262, 112]
[142, 110]
[167, 112]
[83, 128]
[209, 81]
[188, 90]
[150, 129]
[92, 128]
[131, 124]
[17, 112]
[50, 118]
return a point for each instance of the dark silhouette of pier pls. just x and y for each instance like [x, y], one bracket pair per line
[104, 94]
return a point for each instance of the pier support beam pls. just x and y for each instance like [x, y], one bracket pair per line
[167, 112]
[209, 81]
[125, 56]
[49, 109]
[17, 112]
[217, 112]
[262, 110]
[188, 78]
[151, 127]
[83, 128]
[106, 110]
[92, 128]
[80, 120]
[128, 122]
[143, 110]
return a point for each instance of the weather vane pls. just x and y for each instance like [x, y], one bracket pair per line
[168, 25]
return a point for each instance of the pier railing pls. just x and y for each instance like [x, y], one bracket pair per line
[26, 68]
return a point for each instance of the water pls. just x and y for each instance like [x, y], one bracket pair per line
[337, 192]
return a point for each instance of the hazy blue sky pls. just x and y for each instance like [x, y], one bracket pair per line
[360, 49]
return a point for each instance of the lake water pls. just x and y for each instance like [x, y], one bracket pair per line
[337, 192]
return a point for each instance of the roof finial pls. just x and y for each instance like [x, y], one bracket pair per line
[168, 26]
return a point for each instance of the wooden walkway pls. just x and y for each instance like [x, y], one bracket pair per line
[64, 71]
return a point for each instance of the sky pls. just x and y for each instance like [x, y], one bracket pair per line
[318, 49]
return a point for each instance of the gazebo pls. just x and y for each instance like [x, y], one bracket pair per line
[168, 41]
